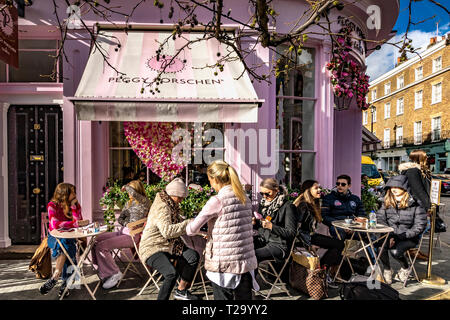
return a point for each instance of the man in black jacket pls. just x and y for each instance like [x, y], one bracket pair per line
[341, 204]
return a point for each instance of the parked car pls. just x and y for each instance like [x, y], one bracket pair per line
[445, 182]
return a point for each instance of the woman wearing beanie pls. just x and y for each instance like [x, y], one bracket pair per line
[408, 219]
[161, 241]
[135, 209]
[230, 258]
[278, 225]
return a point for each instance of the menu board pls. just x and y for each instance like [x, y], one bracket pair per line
[435, 192]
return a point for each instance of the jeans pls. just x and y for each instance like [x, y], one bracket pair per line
[242, 292]
[186, 265]
[71, 248]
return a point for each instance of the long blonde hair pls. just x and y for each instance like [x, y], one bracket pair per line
[391, 202]
[138, 186]
[420, 157]
[61, 197]
[225, 174]
[308, 198]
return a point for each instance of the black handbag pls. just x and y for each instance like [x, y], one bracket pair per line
[439, 226]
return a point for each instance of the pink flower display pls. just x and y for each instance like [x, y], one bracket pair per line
[344, 71]
[151, 141]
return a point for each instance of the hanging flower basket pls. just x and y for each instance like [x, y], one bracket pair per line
[348, 78]
[343, 102]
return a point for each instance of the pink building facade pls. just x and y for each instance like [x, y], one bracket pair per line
[330, 143]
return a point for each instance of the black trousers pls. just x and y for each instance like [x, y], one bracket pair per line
[186, 265]
[268, 251]
[335, 246]
[242, 292]
[397, 251]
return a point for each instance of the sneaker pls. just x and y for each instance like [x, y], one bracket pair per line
[387, 274]
[112, 281]
[47, 286]
[62, 288]
[402, 275]
[184, 295]
[331, 283]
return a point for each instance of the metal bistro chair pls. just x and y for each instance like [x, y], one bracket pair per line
[199, 271]
[412, 259]
[130, 260]
[270, 270]
[136, 228]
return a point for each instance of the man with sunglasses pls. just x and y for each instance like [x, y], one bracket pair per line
[340, 204]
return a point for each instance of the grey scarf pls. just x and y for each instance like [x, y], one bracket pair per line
[271, 208]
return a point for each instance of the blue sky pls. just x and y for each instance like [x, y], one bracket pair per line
[381, 61]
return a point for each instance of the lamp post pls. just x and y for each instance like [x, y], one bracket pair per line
[372, 110]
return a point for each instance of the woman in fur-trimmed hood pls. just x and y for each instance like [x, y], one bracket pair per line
[419, 177]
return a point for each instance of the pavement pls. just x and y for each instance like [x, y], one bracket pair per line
[18, 283]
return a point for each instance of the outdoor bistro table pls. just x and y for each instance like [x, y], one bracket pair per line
[77, 233]
[356, 228]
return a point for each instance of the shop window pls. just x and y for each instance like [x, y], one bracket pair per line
[36, 63]
[295, 120]
[125, 165]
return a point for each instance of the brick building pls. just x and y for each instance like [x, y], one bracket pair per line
[410, 108]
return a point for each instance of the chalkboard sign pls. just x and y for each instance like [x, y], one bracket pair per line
[435, 192]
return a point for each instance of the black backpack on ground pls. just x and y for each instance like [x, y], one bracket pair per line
[358, 289]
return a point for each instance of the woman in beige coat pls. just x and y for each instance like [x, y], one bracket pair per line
[161, 242]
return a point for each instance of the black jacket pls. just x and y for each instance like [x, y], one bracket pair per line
[307, 223]
[418, 184]
[337, 206]
[284, 227]
[410, 221]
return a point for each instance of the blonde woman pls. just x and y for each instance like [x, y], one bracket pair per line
[230, 258]
[408, 219]
[135, 209]
[64, 212]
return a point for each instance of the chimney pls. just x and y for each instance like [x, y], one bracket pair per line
[433, 40]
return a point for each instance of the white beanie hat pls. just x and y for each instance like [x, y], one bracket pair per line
[177, 188]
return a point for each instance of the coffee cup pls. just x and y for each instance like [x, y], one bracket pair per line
[348, 221]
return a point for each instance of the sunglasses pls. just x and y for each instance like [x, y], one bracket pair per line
[264, 194]
[343, 184]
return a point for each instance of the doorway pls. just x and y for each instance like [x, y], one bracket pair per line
[35, 167]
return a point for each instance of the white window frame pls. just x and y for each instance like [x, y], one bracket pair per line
[374, 94]
[400, 106]
[418, 134]
[437, 64]
[387, 110]
[418, 105]
[436, 128]
[374, 115]
[400, 82]
[436, 97]
[365, 117]
[386, 142]
[419, 76]
[387, 88]
[399, 136]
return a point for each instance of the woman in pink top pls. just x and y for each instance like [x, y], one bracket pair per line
[64, 212]
[230, 258]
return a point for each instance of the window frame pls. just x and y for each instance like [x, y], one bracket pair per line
[386, 142]
[417, 78]
[434, 129]
[437, 67]
[433, 93]
[418, 133]
[387, 88]
[374, 94]
[400, 84]
[387, 107]
[416, 94]
[399, 138]
[55, 51]
[400, 102]
[365, 117]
